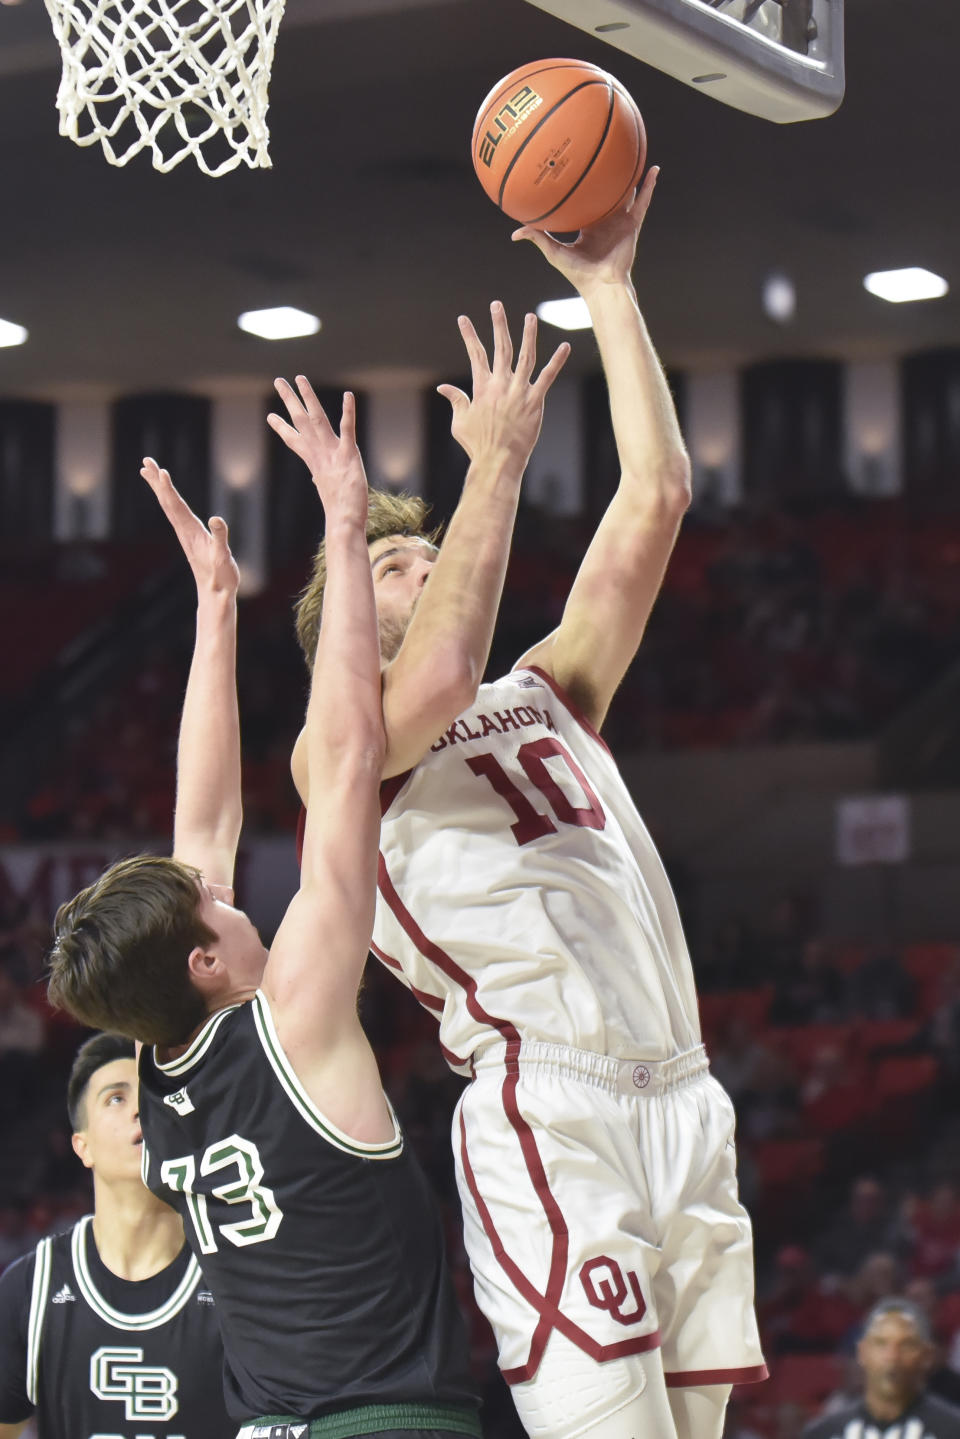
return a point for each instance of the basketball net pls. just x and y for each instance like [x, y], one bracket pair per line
[177, 77]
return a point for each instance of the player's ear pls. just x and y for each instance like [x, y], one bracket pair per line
[81, 1149]
[203, 967]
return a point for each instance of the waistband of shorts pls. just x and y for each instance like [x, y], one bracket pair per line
[367, 1419]
[617, 1076]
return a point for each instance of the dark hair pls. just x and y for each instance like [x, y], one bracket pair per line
[92, 1055]
[906, 1309]
[387, 514]
[119, 962]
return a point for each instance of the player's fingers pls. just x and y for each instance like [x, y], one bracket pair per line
[290, 398]
[287, 433]
[536, 237]
[527, 357]
[552, 368]
[502, 343]
[475, 351]
[174, 506]
[458, 400]
[312, 405]
[639, 204]
[151, 472]
[348, 418]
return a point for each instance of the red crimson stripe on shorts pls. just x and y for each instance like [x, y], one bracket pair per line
[695, 1378]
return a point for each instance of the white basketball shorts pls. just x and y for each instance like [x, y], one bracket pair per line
[601, 1217]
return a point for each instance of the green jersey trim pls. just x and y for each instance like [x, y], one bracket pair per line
[198, 1047]
[372, 1419]
[282, 1068]
[133, 1322]
[38, 1301]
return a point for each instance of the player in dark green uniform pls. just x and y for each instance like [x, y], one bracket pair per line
[110, 1328]
[263, 1114]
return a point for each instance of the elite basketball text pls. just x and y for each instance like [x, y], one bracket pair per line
[508, 120]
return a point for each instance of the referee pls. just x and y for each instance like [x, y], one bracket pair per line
[896, 1354]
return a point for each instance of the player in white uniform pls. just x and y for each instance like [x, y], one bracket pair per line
[523, 902]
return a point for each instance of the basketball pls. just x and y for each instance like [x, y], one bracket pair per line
[558, 144]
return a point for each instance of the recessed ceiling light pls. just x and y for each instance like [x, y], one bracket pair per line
[11, 334]
[779, 298]
[910, 284]
[285, 322]
[569, 314]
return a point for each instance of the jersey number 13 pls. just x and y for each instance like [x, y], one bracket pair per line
[247, 1188]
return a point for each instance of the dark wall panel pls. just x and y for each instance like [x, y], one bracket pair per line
[26, 470]
[931, 425]
[792, 430]
[175, 431]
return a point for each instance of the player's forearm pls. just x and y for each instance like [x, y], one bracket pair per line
[209, 810]
[344, 715]
[654, 464]
[452, 627]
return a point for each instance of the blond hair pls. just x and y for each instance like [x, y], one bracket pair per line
[387, 515]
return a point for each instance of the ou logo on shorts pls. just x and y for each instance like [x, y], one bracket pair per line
[641, 1076]
[606, 1287]
[147, 1391]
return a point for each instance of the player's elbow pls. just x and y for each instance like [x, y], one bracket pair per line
[676, 484]
[458, 680]
[661, 495]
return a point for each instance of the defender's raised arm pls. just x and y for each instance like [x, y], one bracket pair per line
[317, 958]
[209, 810]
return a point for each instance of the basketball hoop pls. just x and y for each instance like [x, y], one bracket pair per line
[177, 77]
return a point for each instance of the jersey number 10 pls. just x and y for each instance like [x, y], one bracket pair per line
[531, 824]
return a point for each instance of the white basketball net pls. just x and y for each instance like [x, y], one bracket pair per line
[177, 77]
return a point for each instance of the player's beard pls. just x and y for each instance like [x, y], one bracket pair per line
[392, 631]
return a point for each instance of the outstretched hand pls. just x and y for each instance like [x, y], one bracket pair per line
[334, 461]
[603, 253]
[207, 549]
[504, 416]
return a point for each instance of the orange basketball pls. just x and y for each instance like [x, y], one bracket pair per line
[558, 144]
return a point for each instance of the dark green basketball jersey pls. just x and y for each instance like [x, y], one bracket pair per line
[92, 1354]
[324, 1254]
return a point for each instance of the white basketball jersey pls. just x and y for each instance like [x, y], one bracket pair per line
[520, 894]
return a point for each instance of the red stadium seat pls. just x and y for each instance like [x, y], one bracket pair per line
[874, 1034]
[905, 1075]
[806, 1379]
[928, 961]
[802, 1042]
[788, 1163]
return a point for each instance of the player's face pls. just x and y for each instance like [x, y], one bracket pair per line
[401, 566]
[894, 1357]
[110, 1141]
[238, 944]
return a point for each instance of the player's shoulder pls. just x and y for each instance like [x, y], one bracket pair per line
[832, 1426]
[932, 1409]
[165, 1072]
[17, 1279]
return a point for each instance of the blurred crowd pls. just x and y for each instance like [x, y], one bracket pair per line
[770, 628]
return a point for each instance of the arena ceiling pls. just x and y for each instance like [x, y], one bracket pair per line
[371, 217]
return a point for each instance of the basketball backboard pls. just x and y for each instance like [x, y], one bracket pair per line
[780, 59]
